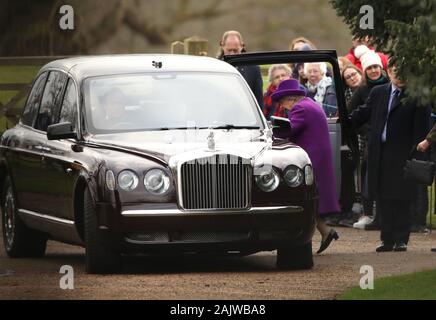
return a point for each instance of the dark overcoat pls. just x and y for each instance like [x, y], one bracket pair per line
[253, 76]
[407, 125]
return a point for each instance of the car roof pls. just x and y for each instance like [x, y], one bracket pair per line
[90, 66]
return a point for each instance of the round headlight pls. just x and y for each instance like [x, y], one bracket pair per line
[157, 181]
[293, 176]
[268, 181]
[308, 173]
[128, 180]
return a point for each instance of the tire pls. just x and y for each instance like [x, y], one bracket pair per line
[99, 259]
[19, 240]
[295, 257]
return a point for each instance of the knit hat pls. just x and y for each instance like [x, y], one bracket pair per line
[367, 57]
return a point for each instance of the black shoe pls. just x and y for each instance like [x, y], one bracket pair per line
[433, 249]
[400, 247]
[384, 248]
[325, 244]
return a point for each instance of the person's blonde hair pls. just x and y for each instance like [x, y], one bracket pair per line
[304, 40]
[322, 67]
[275, 67]
[345, 61]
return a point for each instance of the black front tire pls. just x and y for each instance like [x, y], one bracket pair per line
[99, 259]
[19, 240]
[295, 257]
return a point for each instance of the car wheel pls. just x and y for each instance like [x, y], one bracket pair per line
[295, 257]
[99, 259]
[19, 240]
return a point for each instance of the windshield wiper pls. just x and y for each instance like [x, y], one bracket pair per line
[174, 128]
[232, 126]
[225, 127]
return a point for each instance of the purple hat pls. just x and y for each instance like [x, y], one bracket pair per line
[289, 87]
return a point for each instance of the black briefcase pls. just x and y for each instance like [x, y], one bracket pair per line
[419, 171]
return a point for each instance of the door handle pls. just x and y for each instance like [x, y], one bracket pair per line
[68, 170]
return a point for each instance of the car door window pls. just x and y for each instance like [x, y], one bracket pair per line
[48, 111]
[32, 106]
[69, 105]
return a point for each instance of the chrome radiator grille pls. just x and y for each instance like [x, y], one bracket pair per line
[217, 182]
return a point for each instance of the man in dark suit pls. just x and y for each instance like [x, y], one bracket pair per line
[232, 43]
[397, 126]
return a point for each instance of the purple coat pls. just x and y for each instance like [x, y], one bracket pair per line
[309, 130]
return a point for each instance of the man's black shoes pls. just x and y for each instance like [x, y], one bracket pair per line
[400, 247]
[385, 248]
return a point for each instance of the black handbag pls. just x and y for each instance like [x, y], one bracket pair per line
[419, 171]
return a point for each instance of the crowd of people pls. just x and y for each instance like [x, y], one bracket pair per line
[387, 124]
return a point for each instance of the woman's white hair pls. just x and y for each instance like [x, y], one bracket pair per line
[322, 67]
[275, 67]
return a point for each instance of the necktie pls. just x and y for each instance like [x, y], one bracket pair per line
[393, 101]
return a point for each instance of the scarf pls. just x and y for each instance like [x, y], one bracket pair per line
[381, 80]
[320, 88]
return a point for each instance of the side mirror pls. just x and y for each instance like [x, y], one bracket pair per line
[59, 131]
[281, 127]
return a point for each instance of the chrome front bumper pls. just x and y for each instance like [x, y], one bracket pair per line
[178, 212]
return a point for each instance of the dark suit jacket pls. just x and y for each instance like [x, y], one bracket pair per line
[253, 77]
[407, 125]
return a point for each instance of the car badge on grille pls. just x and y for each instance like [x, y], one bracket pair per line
[211, 141]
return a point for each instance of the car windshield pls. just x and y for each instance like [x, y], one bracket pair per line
[169, 101]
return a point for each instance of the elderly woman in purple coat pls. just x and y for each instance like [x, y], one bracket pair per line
[309, 130]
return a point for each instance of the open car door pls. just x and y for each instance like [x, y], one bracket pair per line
[342, 136]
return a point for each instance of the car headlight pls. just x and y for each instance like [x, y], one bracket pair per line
[157, 181]
[110, 180]
[308, 173]
[268, 181]
[293, 176]
[128, 180]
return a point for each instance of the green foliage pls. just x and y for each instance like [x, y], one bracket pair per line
[420, 286]
[14, 74]
[406, 30]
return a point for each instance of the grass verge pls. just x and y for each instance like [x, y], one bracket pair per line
[415, 286]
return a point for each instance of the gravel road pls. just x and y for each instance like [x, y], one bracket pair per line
[252, 277]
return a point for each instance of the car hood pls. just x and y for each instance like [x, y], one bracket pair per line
[165, 144]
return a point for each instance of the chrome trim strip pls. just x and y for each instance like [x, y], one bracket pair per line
[172, 212]
[47, 217]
